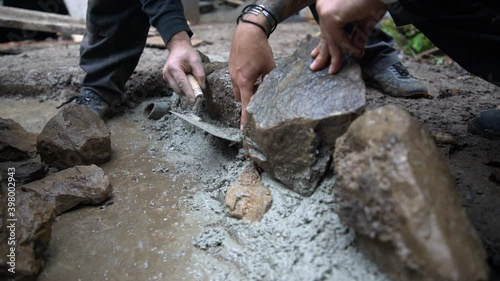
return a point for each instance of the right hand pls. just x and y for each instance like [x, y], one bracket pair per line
[335, 15]
[251, 56]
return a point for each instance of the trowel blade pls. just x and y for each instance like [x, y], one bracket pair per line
[230, 134]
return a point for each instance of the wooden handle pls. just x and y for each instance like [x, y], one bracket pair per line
[198, 93]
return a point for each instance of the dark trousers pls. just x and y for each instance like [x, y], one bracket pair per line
[112, 45]
[467, 31]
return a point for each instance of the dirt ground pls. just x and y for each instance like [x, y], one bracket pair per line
[166, 220]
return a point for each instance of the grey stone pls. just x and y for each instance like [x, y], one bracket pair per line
[396, 191]
[220, 101]
[16, 144]
[296, 115]
[33, 230]
[68, 188]
[248, 199]
[25, 171]
[75, 136]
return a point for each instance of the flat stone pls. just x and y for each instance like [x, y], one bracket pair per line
[25, 171]
[396, 191]
[296, 115]
[75, 136]
[248, 199]
[220, 101]
[33, 230]
[16, 144]
[68, 188]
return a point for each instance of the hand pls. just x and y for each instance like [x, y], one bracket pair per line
[183, 59]
[321, 56]
[250, 57]
[335, 15]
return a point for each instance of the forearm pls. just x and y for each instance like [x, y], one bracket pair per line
[282, 9]
[167, 17]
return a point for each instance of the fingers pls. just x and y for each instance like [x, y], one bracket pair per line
[199, 74]
[179, 82]
[321, 56]
[246, 94]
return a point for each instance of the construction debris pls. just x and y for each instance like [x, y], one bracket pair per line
[75, 136]
[16, 144]
[71, 187]
[396, 191]
[296, 115]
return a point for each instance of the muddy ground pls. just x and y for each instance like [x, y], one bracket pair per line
[166, 220]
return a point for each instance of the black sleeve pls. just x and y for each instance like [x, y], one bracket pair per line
[167, 16]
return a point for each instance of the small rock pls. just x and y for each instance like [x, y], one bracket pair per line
[75, 136]
[396, 191]
[25, 171]
[443, 138]
[220, 101]
[16, 144]
[33, 230]
[248, 199]
[68, 188]
[296, 116]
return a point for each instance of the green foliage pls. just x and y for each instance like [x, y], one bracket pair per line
[409, 39]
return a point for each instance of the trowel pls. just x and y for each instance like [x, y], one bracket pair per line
[227, 133]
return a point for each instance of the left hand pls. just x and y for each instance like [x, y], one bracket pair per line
[183, 59]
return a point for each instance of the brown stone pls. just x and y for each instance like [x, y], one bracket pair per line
[16, 144]
[396, 191]
[33, 230]
[220, 101]
[296, 115]
[25, 171]
[75, 136]
[68, 188]
[248, 199]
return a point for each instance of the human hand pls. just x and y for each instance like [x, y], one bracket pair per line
[183, 59]
[251, 56]
[334, 16]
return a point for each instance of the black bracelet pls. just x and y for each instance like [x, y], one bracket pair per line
[240, 18]
[260, 9]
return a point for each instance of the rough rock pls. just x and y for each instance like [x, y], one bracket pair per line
[396, 191]
[26, 171]
[33, 230]
[220, 101]
[68, 188]
[296, 115]
[248, 199]
[16, 144]
[75, 136]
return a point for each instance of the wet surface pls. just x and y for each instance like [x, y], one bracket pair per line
[143, 235]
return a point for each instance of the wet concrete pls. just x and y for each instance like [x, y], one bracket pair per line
[168, 219]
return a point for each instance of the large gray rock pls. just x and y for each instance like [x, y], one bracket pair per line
[33, 230]
[220, 101]
[16, 144]
[296, 116]
[68, 188]
[395, 189]
[75, 136]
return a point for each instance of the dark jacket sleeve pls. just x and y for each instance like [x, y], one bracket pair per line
[167, 16]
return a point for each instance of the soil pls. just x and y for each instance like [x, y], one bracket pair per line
[167, 220]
